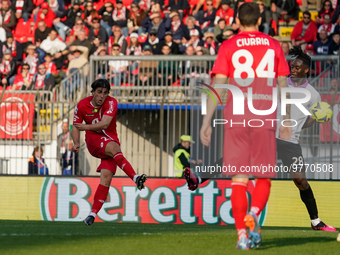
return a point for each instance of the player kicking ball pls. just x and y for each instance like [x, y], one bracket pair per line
[99, 112]
[250, 60]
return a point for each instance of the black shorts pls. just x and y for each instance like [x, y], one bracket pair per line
[291, 155]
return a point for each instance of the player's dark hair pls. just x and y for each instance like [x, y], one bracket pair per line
[248, 14]
[100, 83]
[297, 52]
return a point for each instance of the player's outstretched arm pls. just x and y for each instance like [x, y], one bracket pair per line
[309, 122]
[285, 131]
[206, 129]
[101, 125]
[75, 134]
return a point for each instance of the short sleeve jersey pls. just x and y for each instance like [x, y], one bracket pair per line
[85, 111]
[251, 60]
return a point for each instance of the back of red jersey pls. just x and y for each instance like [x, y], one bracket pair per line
[251, 60]
[85, 111]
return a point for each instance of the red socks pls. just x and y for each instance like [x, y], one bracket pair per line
[239, 203]
[260, 195]
[124, 164]
[99, 198]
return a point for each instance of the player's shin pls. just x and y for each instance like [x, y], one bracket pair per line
[99, 199]
[260, 196]
[124, 164]
[239, 205]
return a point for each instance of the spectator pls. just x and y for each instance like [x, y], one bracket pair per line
[334, 86]
[285, 48]
[2, 34]
[167, 69]
[168, 40]
[89, 14]
[310, 51]
[335, 43]
[120, 15]
[153, 42]
[265, 18]
[323, 45]
[78, 26]
[51, 68]
[194, 40]
[70, 160]
[7, 68]
[147, 69]
[118, 68]
[42, 81]
[326, 8]
[134, 47]
[62, 140]
[327, 25]
[57, 6]
[154, 22]
[106, 12]
[135, 18]
[71, 14]
[178, 29]
[225, 12]
[46, 14]
[23, 79]
[36, 165]
[31, 59]
[285, 9]
[117, 38]
[207, 18]
[234, 25]
[80, 58]
[52, 44]
[222, 32]
[95, 44]
[98, 30]
[14, 46]
[61, 61]
[191, 24]
[41, 33]
[209, 43]
[7, 17]
[336, 15]
[156, 7]
[22, 9]
[83, 41]
[179, 5]
[304, 31]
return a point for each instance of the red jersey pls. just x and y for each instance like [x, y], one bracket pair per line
[251, 60]
[85, 111]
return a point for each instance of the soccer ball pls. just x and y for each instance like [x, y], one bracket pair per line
[321, 112]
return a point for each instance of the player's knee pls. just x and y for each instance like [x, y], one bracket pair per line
[301, 183]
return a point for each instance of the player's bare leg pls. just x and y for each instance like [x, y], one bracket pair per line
[307, 197]
[100, 195]
[239, 206]
[113, 150]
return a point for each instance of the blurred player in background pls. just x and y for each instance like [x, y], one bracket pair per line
[253, 60]
[290, 151]
[99, 112]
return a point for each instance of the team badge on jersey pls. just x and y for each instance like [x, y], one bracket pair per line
[95, 110]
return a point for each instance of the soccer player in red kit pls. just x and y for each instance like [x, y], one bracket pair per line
[251, 60]
[99, 112]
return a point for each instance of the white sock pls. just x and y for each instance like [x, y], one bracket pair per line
[199, 179]
[135, 178]
[316, 222]
[255, 210]
[93, 214]
[241, 233]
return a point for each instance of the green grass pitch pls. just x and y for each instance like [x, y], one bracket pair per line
[41, 237]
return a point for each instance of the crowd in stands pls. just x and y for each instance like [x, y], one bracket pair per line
[45, 41]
